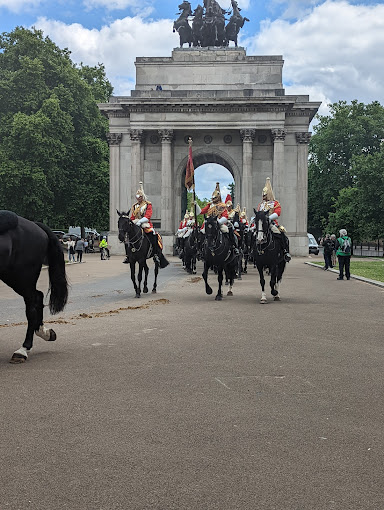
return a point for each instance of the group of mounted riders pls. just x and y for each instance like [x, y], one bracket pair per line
[208, 26]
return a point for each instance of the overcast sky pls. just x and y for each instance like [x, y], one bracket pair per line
[333, 50]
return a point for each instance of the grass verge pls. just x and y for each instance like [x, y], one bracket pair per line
[373, 269]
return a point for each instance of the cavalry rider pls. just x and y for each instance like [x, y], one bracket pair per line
[218, 209]
[181, 232]
[243, 217]
[232, 225]
[141, 214]
[273, 207]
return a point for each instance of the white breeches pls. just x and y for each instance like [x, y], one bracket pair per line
[223, 228]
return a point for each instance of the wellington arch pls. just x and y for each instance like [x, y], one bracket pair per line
[235, 109]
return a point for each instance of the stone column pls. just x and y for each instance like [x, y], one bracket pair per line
[278, 137]
[302, 140]
[247, 136]
[114, 140]
[166, 181]
[136, 164]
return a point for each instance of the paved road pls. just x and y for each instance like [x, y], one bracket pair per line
[189, 403]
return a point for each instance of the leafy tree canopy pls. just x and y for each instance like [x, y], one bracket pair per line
[53, 149]
[350, 132]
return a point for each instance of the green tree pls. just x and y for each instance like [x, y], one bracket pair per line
[53, 149]
[349, 131]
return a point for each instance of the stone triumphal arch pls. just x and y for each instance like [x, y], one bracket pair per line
[235, 109]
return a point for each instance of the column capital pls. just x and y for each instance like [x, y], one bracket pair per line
[278, 134]
[114, 138]
[166, 135]
[137, 135]
[303, 137]
[247, 135]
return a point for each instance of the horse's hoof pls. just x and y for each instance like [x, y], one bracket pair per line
[263, 301]
[229, 293]
[145, 290]
[137, 295]
[17, 359]
[276, 298]
[226, 283]
[274, 292]
[154, 291]
[239, 278]
[52, 336]
[193, 272]
[218, 298]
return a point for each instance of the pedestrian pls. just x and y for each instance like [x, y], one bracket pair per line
[79, 249]
[103, 245]
[328, 250]
[333, 256]
[86, 245]
[70, 249]
[343, 247]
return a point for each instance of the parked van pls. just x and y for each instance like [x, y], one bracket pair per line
[88, 231]
[313, 246]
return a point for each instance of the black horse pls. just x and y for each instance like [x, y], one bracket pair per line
[191, 245]
[268, 254]
[138, 249]
[24, 247]
[217, 253]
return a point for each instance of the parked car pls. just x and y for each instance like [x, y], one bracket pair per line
[88, 231]
[59, 233]
[313, 246]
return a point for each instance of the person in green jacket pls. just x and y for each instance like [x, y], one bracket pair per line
[103, 244]
[343, 252]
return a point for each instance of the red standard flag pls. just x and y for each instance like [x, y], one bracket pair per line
[190, 170]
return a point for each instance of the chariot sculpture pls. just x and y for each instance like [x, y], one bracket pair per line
[208, 24]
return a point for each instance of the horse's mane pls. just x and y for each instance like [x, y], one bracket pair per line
[8, 221]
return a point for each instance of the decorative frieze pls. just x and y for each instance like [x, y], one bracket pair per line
[247, 135]
[278, 134]
[166, 135]
[303, 137]
[114, 138]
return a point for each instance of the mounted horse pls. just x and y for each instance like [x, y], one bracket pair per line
[182, 26]
[191, 246]
[24, 247]
[138, 249]
[236, 22]
[217, 253]
[267, 253]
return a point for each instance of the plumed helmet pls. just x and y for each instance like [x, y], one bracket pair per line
[186, 215]
[237, 208]
[268, 191]
[243, 213]
[216, 195]
[191, 213]
[228, 200]
[140, 191]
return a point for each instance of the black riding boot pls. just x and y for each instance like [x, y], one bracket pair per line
[284, 241]
[233, 239]
[158, 256]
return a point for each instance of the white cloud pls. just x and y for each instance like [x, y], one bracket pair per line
[334, 51]
[115, 45]
[18, 6]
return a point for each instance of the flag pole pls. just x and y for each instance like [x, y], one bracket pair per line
[190, 141]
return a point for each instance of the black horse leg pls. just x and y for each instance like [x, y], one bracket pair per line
[140, 275]
[219, 295]
[208, 289]
[146, 270]
[154, 289]
[133, 278]
[262, 284]
[272, 283]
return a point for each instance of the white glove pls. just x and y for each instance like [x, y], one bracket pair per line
[273, 216]
[236, 225]
[135, 221]
[142, 220]
[223, 220]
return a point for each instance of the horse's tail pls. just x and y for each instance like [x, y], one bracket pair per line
[56, 270]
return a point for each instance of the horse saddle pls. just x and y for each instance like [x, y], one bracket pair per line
[8, 221]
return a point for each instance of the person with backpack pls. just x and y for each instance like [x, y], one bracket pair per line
[343, 252]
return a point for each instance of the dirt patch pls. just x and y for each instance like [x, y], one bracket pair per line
[194, 279]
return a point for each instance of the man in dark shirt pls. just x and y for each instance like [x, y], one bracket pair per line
[328, 246]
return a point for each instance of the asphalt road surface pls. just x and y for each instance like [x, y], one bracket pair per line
[177, 401]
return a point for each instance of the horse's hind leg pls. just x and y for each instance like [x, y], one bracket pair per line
[262, 284]
[45, 333]
[133, 278]
[219, 295]
[274, 292]
[154, 289]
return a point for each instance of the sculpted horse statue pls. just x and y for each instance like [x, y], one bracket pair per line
[24, 247]
[197, 25]
[217, 253]
[182, 26]
[268, 254]
[138, 249]
[236, 22]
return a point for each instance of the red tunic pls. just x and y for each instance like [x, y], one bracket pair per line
[219, 210]
[273, 206]
[142, 210]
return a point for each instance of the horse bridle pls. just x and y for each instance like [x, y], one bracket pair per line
[213, 248]
[266, 244]
[130, 242]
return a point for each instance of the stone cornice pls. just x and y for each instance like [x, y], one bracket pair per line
[114, 138]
